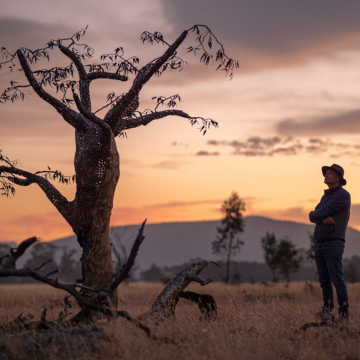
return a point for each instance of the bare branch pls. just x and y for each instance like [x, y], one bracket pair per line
[43, 315]
[174, 62]
[107, 133]
[106, 75]
[65, 313]
[169, 101]
[16, 253]
[149, 37]
[43, 264]
[112, 99]
[69, 115]
[226, 63]
[13, 92]
[9, 58]
[52, 273]
[57, 199]
[125, 66]
[144, 120]
[144, 75]
[75, 59]
[84, 81]
[21, 182]
[124, 271]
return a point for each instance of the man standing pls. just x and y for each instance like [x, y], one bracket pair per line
[331, 217]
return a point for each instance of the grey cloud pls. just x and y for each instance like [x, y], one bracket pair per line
[207, 153]
[257, 146]
[316, 141]
[175, 143]
[258, 143]
[316, 149]
[290, 150]
[249, 153]
[168, 164]
[216, 143]
[272, 31]
[16, 33]
[347, 122]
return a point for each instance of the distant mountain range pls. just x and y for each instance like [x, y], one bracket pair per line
[169, 244]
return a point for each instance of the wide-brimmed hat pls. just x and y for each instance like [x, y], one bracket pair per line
[338, 169]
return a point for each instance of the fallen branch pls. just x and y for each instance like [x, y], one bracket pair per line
[206, 303]
[165, 304]
[328, 323]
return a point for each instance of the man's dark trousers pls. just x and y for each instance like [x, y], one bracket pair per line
[328, 257]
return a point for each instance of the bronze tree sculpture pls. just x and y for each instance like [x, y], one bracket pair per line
[96, 157]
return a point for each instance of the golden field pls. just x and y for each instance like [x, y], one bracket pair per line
[255, 321]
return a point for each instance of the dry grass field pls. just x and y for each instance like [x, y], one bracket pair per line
[254, 322]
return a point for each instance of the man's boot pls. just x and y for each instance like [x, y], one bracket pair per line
[343, 315]
[324, 314]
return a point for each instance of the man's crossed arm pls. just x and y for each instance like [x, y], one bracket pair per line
[325, 214]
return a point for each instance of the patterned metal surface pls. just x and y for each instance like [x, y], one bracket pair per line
[164, 305]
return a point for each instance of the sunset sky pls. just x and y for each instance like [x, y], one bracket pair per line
[292, 107]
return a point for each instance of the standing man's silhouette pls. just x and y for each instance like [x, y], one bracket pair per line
[331, 217]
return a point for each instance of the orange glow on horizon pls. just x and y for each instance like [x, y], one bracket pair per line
[288, 111]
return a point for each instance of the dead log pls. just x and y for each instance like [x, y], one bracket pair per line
[206, 303]
[165, 304]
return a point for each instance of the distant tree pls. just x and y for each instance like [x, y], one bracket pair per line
[118, 246]
[155, 273]
[287, 258]
[227, 241]
[236, 278]
[269, 245]
[42, 253]
[352, 273]
[69, 267]
[352, 269]
[4, 253]
[121, 249]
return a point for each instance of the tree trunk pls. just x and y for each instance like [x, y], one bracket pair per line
[273, 275]
[97, 174]
[227, 277]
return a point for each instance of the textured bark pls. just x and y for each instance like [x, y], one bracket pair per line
[97, 176]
